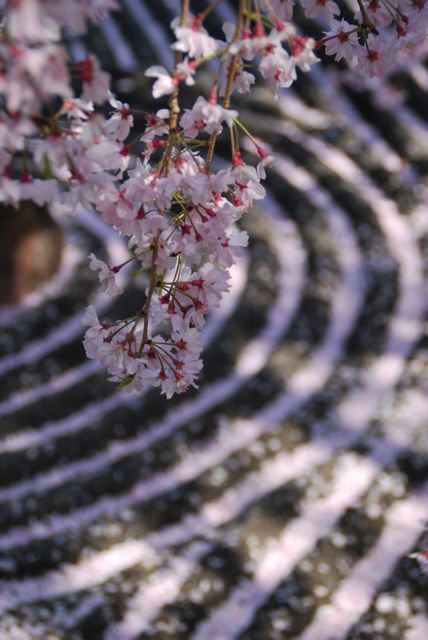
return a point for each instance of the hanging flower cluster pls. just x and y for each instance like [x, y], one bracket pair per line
[177, 212]
[384, 33]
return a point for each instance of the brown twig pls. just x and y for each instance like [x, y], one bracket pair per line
[366, 20]
[209, 9]
[146, 308]
[230, 77]
[174, 107]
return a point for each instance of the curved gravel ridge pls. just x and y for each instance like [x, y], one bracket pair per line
[286, 497]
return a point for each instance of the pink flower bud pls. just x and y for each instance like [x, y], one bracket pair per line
[259, 31]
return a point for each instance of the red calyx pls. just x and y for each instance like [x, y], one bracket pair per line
[141, 213]
[213, 96]
[298, 44]
[86, 70]
[125, 113]
[7, 171]
[199, 283]
[262, 153]
[400, 30]
[196, 23]
[237, 160]
[152, 121]
[259, 31]
[158, 144]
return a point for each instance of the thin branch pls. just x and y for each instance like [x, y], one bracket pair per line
[146, 308]
[174, 107]
[230, 77]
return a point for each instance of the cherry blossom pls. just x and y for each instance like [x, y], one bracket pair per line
[96, 83]
[341, 41]
[283, 8]
[178, 213]
[206, 116]
[325, 9]
[278, 69]
[193, 39]
[106, 275]
[165, 83]
[375, 57]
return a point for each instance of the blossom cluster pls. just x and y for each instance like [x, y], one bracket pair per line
[384, 33]
[177, 212]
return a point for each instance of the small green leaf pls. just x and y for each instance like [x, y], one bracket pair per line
[47, 171]
[124, 383]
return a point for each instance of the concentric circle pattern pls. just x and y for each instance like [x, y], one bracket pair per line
[284, 498]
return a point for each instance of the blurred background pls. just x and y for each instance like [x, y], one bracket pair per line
[286, 497]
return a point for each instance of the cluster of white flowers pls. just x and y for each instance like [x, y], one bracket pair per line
[384, 33]
[176, 211]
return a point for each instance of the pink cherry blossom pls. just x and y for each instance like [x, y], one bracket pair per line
[106, 275]
[206, 116]
[283, 8]
[164, 196]
[165, 83]
[96, 83]
[193, 39]
[325, 9]
[341, 41]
